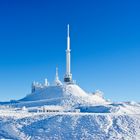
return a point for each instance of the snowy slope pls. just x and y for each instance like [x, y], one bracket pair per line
[117, 108]
[98, 119]
[72, 97]
[70, 94]
[51, 92]
[65, 126]
[67, 95]
[45, 93]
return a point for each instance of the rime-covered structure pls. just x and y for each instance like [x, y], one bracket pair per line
[40, 86]
[68, 76]
[57, 82]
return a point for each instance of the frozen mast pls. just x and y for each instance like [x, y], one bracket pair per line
[57, 81]
[68, 75]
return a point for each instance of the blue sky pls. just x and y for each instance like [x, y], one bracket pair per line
[105, 44]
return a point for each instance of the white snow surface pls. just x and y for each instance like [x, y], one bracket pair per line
[69, 95]
[69, 126]
[78, 116]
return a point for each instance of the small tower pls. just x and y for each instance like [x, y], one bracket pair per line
[57, 81]
[46, 83]
[33, 86]
[56, 75]
[68, 75]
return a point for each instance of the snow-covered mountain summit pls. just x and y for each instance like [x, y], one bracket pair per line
[67, 93]
[70, 94]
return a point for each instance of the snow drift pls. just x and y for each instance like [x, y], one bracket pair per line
[73, 114]
[71, 126]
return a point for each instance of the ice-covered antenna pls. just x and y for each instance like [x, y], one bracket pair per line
[68, 30]
[68, 37]
[68, 76]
